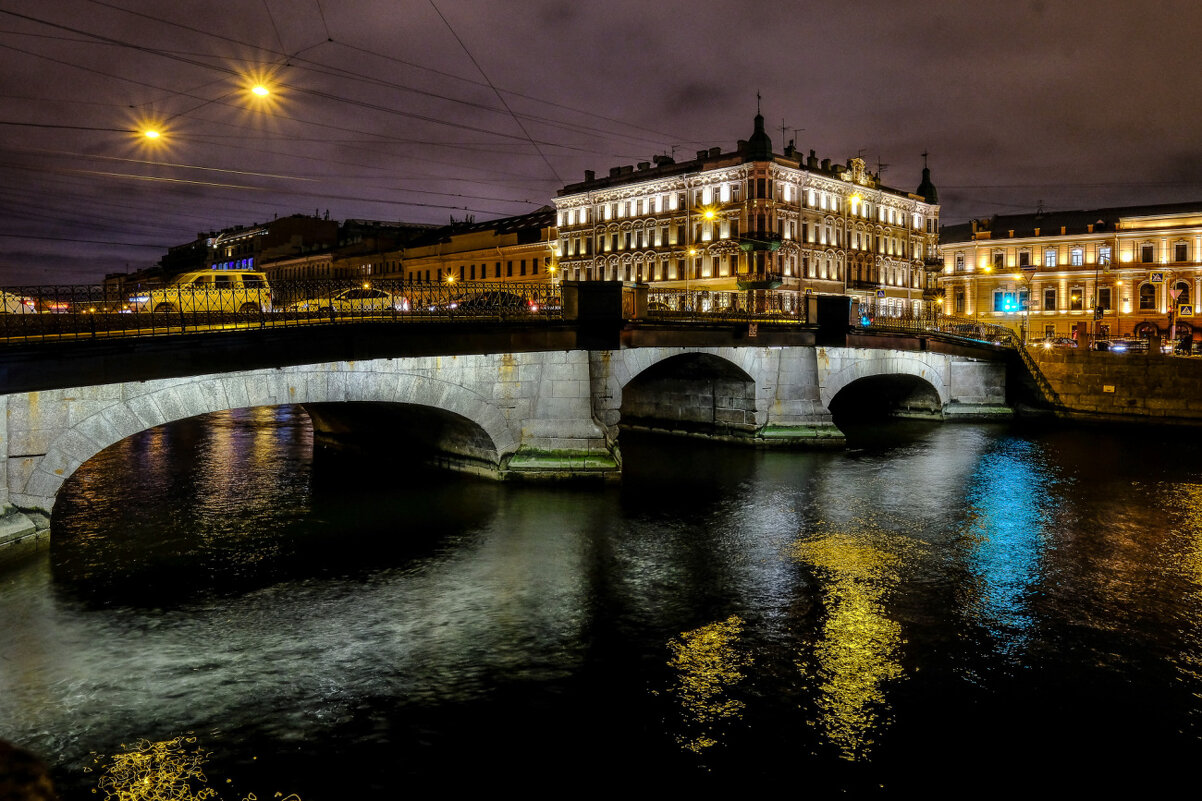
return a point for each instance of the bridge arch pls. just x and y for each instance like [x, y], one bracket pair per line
[122, 410]
[859, 364]
[618, 373]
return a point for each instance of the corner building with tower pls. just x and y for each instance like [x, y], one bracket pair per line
[753, 219]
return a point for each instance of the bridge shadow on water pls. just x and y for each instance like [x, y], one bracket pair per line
[233, 501]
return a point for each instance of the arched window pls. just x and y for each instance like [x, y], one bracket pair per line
[1147, 297]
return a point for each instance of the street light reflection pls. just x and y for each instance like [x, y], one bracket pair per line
[167, 770]
[708, 664]
[860, 647]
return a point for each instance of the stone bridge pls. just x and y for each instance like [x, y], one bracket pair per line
[532, 415]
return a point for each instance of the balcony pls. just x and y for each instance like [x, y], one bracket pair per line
[759, 280]
[859, 283]
[933, 264]
[760, 240]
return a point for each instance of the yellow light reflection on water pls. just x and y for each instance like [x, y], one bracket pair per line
[860, 646]
[708, 663]
[167, 770]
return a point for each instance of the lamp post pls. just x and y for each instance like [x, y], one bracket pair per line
[1025, 279]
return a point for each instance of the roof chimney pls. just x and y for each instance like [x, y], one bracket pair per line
[590, 175]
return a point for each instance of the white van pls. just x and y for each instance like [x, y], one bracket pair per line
[208, 291]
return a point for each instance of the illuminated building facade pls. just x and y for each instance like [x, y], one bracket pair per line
[751, 219]
[517, 249]
[1130, 271]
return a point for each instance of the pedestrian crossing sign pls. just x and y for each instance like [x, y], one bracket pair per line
[1156, 278]
[1185, 310]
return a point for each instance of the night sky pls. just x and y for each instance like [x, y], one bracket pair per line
[419, 111]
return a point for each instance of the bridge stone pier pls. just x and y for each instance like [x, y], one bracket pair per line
[539, 415]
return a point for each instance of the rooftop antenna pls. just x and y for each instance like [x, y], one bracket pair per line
[924, 159]
[880, 168]
[757, 102]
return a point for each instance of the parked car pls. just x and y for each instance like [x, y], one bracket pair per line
[52, 305]
[1055, 342]
[208, 291]
[1122, 345]
[16, 304]
[494, 302]
[355, 299]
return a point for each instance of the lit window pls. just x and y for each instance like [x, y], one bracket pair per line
[1049, 257]
[1147, 296]
[1076, 257]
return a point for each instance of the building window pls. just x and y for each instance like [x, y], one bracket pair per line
[1104, 254]
[1049, 330]
[1004, 301]
[1024, 258]
[999, 260]
[1147, 296]
[1146, 254]
[959, 262]
[1104, 299]
[1076, 299]
[1180, 252]
[1076, 257]
[1049, 257]
[1049, 298]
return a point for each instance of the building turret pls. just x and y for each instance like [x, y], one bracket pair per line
[759, 146]
[927, 189]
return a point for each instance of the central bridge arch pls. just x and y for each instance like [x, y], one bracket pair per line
[844, 366]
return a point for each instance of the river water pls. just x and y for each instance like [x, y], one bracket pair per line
[940, 608]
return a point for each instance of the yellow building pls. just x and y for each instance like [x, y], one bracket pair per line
[510, 250]
[752, 219]
[1117, 272]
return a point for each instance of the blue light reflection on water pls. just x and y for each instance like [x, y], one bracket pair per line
[1012, 497]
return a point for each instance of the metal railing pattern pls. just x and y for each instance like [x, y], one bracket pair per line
[931, 321]
[696, 305]
[32, 313]
[37, 313]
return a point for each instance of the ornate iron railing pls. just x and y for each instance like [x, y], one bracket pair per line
[59, 312]
[933, 322]
[776, 306]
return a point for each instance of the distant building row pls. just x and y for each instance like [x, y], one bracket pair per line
[751, 218]
[744, 219]
[1115, 272]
